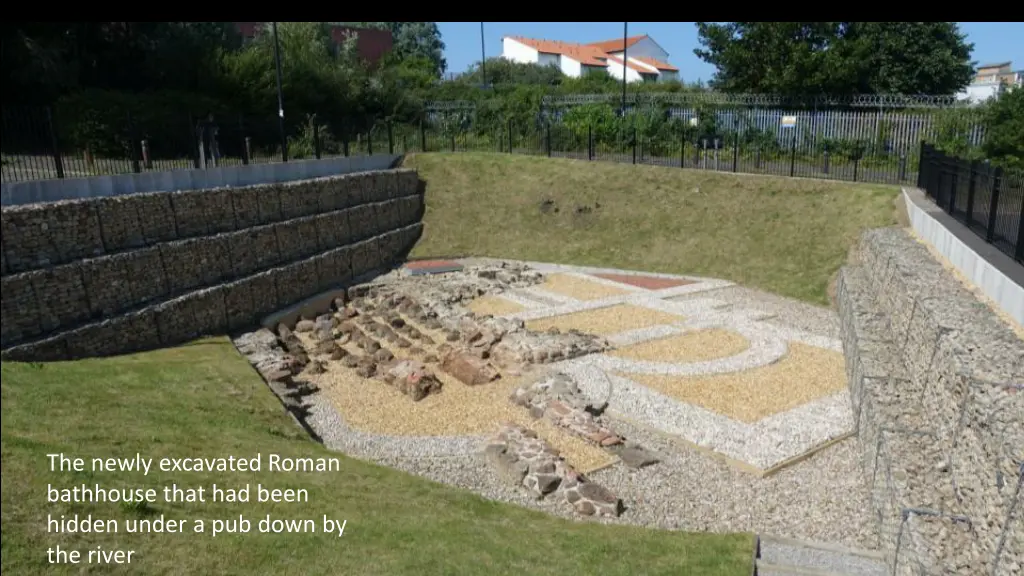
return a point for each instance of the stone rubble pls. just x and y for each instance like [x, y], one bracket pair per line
[523, 459]
[556, 398]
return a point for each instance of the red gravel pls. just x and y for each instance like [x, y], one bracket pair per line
[645, 282]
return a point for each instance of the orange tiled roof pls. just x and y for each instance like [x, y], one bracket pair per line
[656, 63]
[617, 44]
[587, 55]
[632, 65]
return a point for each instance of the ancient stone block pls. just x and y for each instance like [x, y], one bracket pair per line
[362, 221]
[332, 229]
[208, 308]
[468, 369]
[238, 304]
[176, 321]
[61, 297]
[19, 319]
[107, 284]
[119, 223]
[146, 275]
[270, 203]
[246, 203]
[264, 293]
[156, 217]
[410, 377]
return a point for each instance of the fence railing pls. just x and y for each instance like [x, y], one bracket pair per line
[985, 198]
[42, 143]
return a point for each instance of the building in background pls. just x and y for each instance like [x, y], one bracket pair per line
[990, 80]
[646, 61]
[371, 45]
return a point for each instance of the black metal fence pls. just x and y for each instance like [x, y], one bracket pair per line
[42, 143]
[987, 199]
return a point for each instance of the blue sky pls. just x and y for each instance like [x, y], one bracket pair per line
[993, 41]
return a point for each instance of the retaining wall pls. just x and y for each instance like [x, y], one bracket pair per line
[118, 274]
[937, 385]
[53, 190]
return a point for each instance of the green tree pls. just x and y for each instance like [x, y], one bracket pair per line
[836, 58]
[412, 40]
[1004, 129]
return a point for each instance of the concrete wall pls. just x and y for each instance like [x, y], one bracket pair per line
[124, 273]
[15, 193]
[994, 281]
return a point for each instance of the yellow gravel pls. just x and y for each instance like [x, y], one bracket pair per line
[606, 321]
[494, 305]
[696, 346]
[805, 373]
[578, 288]
[374, 406]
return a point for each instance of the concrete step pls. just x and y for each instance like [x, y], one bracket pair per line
[778, 555]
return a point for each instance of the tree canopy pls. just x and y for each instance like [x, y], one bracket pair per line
[836, 58]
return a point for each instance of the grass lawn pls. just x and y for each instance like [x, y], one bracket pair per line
[782, 235]
[203, 400]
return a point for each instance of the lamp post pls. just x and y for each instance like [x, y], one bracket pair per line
[483, 58]
[625, 58]
[280, 96]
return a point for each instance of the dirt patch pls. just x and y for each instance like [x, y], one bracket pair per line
[804, 374]
[696, 346]
[578, 288]
[494, 306]
[606, 321]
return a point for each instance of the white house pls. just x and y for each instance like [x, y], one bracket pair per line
[646, 61]
[990, 80]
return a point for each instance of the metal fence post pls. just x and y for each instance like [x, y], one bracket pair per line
[735, 151]
[547, 139]
[194, 137]
[509, 135]
[246, 144]
[993, 207]
[590, 142]
[954, 181]
[682, 149]
[903, 166]
[344, 139]
[921, 165]
[132, 149]
[391, 138]
[423, 136]
[971, 184]
[826, 155]
[634, 145]
[58, 162]
[792, 158]
[856, 165]
[369, 140]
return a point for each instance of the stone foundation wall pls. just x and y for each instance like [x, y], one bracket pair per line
[119, 274]
[937, 384]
